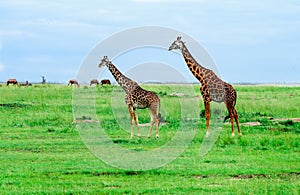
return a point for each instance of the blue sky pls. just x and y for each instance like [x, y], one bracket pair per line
[250, 41]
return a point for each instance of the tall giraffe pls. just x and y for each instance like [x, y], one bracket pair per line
[135, 98]
[212, 87]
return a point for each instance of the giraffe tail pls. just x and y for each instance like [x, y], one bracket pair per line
[160, 118]
[225, 118]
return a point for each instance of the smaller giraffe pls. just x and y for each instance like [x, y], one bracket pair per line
[135, 98]
[73, 81]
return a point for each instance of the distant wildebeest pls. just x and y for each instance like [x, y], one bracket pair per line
[26, 84]
[94, 81]
[73, 81]
[105, 82]
[12, 81]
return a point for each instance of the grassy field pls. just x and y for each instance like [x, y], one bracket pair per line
[42, 149]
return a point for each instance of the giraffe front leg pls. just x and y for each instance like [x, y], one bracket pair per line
[136, 122]
[130, 109]
[207, 114]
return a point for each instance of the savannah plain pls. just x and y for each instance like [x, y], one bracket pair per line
[42, 152]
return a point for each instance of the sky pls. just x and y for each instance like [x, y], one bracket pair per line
[249, 41]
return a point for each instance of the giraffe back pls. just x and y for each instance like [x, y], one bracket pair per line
[141, 98]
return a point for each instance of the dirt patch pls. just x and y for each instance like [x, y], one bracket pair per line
[200, 176]
[252, 176]
[251, 124]
[85, 119]
[14, 105]
[177, 94]
[148, 124]
[297, 120]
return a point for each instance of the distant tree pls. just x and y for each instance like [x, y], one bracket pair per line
[43, 80]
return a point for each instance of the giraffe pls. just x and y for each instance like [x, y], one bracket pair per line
[212, 87]
[135, 98]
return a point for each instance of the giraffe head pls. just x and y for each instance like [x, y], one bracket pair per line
[177, 44]
[104, 62]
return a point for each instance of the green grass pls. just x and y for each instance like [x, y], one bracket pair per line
[41, 151]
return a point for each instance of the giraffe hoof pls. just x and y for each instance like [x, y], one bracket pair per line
[157, 136]
[139, 136]
[207, 135]
[131, 136]
[240, 134]
[232, 135]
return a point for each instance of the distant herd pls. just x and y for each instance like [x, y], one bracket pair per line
[71, 82]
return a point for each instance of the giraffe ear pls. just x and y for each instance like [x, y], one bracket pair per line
[178, 38]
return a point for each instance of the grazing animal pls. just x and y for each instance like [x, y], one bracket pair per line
[26, 84]
[94, 81]
[73, 81]
[12, 81]
[105, 82]
[135, 98]
[212, 87]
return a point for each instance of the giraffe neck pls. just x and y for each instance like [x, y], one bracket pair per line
[126, 83]
[197, 70]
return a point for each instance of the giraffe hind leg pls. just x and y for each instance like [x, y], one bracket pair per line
[231, 115]
[236, 117]
[154, 119]
[232, 124]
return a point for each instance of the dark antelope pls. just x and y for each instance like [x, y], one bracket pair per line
[105, 82]
[12, 81]
[94, 81]
[26, 84]
[73, 81]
